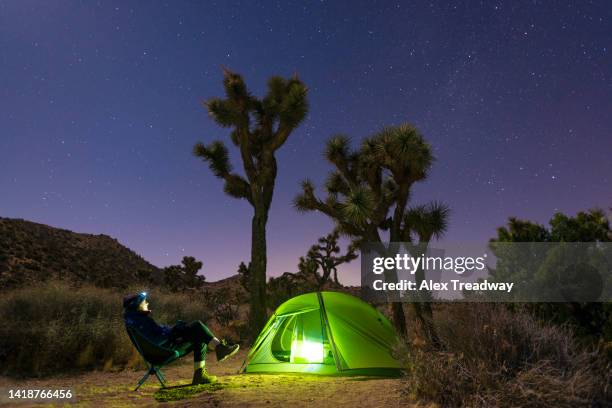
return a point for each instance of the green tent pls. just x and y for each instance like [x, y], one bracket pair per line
[325, 333]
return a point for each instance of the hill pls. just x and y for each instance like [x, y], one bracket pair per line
[32, 252]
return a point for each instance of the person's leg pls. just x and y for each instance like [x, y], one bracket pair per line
[202, 331]
[203, 337]
[199, 335]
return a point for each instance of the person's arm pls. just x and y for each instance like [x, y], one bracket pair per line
[162, 329]
[165, 330]
[176, 331]
[155, 331]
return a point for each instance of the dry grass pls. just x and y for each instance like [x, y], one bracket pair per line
[496, 358]
[55, 327]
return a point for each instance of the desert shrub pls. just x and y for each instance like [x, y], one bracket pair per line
[591, 322]
[492, 357]
[56, 327]
[287, 286]
[224, 302]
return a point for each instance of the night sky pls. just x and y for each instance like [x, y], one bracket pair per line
[100, 108]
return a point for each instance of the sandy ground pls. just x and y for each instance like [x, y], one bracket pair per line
[102, 389]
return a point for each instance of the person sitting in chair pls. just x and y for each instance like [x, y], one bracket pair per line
[197, 334]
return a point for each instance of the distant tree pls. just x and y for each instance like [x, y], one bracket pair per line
[184, 276]
[517, 265]
[589, 226]
[259, 128]
[191, 267]
[172, 276]
[243, 276]
[323, 259]
[586, 226]
[368, 193]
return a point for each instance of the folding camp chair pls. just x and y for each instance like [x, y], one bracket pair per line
[154, 355]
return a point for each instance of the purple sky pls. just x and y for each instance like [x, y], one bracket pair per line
[100, 109]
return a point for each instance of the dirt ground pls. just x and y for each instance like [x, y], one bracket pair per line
[115, 389]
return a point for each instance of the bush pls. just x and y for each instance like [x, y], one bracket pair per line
[497, 358]
[56, 327]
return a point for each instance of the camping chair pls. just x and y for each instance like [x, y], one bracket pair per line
[154, 355]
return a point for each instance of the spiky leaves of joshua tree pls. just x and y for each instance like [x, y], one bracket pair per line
[369, 189]
[323, 259]
[422, 223]
[259, 127]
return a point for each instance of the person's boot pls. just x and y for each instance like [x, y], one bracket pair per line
[200, 376]
[225, 351]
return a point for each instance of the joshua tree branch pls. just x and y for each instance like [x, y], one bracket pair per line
[308, 202]
[279, 138]
[245, 153]
[237, 187]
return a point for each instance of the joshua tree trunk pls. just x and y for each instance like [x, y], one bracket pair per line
[258, 270]
[399, 318]
[424, 313]
[397, 307]
[259, 128]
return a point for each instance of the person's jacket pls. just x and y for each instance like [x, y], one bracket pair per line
[144, 323]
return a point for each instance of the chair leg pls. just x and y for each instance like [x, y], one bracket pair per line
[160, 377]
[163, 376]
[142, 380]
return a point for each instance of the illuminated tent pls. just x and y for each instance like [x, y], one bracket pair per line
[325, 333]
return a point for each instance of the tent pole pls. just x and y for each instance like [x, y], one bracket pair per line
[328, 328]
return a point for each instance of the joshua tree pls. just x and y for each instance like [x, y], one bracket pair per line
[191, 266]
[259, 128]
[368, 192]
[243, 275]
[325, 256]
[425, 222]
[178, 277]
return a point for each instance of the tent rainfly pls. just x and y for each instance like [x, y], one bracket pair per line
[325, 333]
